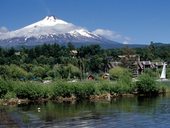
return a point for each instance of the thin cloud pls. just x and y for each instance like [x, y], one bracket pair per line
[45, 7]
[111, 35]
[3, 29]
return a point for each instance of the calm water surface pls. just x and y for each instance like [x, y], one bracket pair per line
[136, 112]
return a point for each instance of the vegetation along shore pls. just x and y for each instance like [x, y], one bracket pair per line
[66, 73]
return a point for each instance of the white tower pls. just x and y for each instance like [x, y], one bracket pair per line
[163, 74]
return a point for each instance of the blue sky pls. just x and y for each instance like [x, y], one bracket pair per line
[126, 21]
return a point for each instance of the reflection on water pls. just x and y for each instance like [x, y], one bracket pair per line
[133, 112]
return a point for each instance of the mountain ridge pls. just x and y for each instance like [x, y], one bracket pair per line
[53, 30]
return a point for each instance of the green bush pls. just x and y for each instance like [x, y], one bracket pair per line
[121, 88]
[4, 87]
[118, 73]
[10, 95]
[74, 71]
[147, 85]
[5, 71]
[85, 89]
[103, 87]
[152, 72]
[30, 91]
[40, 71]
[62, 89]
[123, 84]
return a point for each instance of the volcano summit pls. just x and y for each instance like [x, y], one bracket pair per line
[52, 30]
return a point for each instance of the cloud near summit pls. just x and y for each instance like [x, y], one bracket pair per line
[111, 35]
[3, 29]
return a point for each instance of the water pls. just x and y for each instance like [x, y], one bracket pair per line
[134, 112]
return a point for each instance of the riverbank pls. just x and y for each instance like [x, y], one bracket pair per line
[15, 92]
[93, 98]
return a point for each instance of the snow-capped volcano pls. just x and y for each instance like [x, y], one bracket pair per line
[49, 30]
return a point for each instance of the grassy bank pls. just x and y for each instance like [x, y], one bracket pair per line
[64, 90]
[54, 90]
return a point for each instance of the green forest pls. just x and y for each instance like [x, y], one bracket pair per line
[24, 70]
[68, 62]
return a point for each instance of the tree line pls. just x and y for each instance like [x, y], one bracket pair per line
[50, 61]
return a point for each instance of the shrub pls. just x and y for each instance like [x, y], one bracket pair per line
[74, 71]
[147, 85]
[39, 71]
[17, 72]
[62, 89]
[29, 90]
[118, 72]
[10, 95]
[103, 87]
[152, 72]
[4, 87]
[121, 88]
[123, 84]
[5, 71]
[85, 89]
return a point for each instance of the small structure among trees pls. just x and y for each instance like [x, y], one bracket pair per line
[134, 63]
[90, 77]
[106, 76]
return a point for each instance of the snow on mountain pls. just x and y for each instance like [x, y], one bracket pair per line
[49, 30]
[49, 25]
[47, 21]
[83, 32]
